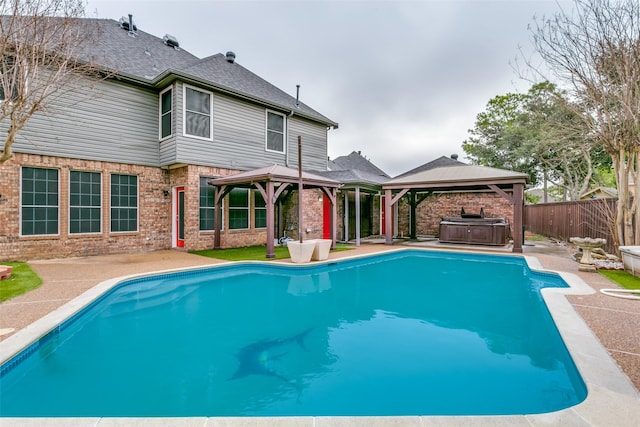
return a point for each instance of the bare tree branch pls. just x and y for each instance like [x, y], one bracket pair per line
[43, 45]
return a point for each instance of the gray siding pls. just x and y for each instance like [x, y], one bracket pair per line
[239, 132]
[314, 144]
[113, 122]
[168, 149]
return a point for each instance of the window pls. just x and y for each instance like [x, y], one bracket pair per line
[10, 78]
[239, 209]
[197, 113]
[85, 202]
[207, 205]
[124, 203]
[275, 132]
[39, 201]
[166, 113]
[259, 210]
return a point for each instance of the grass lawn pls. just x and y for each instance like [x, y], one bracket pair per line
[254, 253]
[23, 279]
[622, 278]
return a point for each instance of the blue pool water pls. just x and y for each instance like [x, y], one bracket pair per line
[408, 333]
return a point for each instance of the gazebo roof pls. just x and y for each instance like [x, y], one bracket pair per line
[275, 173]
[457, 176]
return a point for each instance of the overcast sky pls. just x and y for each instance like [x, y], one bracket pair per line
[404, 79]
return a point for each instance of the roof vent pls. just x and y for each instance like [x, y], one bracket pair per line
[454, 156]
[171, 41]
[231, 57]
[127, 24]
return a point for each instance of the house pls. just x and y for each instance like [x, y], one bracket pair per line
[126, 168]
[600, 193]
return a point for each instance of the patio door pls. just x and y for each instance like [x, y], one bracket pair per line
[179, 215]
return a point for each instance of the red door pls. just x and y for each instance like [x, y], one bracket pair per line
[326, 217]
[179, 217]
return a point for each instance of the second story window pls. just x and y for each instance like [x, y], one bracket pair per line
[197, 113]
[166, 113]
[275, 132]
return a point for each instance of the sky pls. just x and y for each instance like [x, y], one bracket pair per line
[405, 80]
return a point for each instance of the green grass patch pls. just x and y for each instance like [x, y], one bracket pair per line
[622, 278]
[23, 279]
[254, 253]
[535, 237]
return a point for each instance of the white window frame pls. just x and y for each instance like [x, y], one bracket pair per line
[184, 112]
[100, 206]
[160, 137]
[266, 132]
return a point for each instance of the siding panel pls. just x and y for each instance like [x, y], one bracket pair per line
[118, 123]
[239, 133]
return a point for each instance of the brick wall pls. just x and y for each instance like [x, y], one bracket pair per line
[153, 212]
[433, 208]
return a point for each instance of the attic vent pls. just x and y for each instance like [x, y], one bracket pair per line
[171, 41]
[231, 57]
[127, 23]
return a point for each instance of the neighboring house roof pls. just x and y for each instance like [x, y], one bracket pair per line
[599, 192]
[439, 162]
[355, 170]
[355, 161]
[458, 175]
[146, 59]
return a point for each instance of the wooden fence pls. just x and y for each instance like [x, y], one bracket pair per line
[584, 218]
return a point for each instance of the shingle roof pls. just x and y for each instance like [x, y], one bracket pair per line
[275, 173]
[439, 162]
[146, 58]
[458, 174]
[354, 176]
[355, 161]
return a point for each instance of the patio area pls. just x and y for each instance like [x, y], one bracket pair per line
[614, 321]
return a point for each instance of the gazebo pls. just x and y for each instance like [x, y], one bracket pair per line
[508, 184]
[272, 182]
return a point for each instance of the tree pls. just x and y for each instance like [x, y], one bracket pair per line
[536, 133]
[497, 140]
[42, 44]
[595, 51]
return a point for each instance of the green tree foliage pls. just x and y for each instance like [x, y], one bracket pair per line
[537, 133]
[594, 49]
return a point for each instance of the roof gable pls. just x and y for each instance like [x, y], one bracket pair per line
[458, 174]
[146, 58]
[439, 162]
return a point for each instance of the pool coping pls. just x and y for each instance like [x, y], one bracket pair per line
[612, 399]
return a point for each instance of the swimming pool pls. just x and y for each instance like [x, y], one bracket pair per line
[399, 334]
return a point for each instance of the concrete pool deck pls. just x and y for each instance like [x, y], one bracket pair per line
[606, 328]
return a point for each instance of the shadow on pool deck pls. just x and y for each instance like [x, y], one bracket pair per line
[615, 321]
